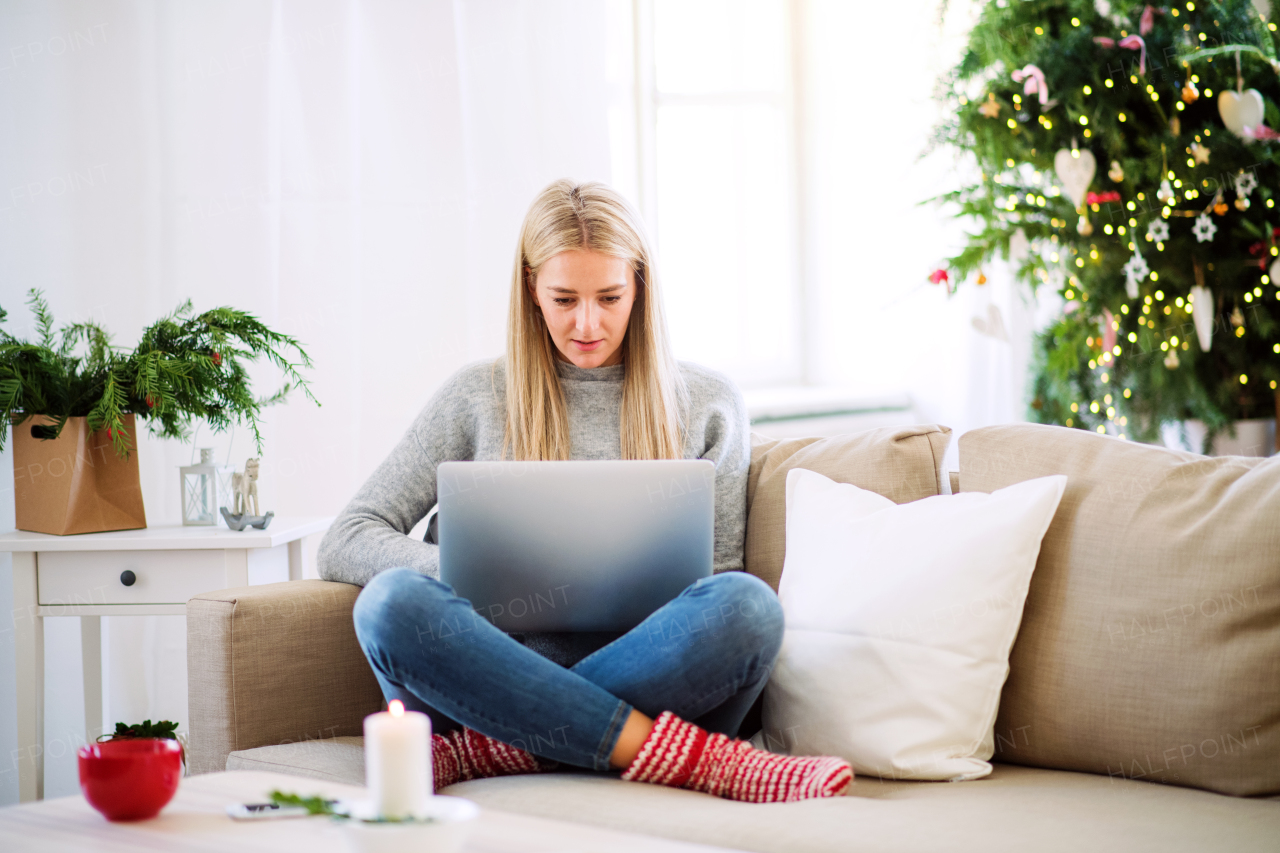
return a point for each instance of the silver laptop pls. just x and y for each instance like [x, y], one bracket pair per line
[574, 546]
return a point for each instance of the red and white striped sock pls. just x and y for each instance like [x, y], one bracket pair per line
[681, 755]
[464, 754]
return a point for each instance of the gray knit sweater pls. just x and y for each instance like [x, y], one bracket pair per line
[465, 420]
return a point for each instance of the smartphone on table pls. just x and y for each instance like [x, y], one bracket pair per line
[266, 811]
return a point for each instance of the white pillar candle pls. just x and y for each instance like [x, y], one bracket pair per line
[397, 762]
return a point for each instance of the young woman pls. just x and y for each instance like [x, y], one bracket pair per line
[588, 374]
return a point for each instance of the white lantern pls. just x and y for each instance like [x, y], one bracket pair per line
[205, 488]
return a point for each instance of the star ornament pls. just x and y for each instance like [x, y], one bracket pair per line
[1135, 270]
[1204, 229]
[1158, 231]
[1246, 183]
[991, 108]
[1200, 152]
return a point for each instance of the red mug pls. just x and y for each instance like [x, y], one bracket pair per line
[130, 779]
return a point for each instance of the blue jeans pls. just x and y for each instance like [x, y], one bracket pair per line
[705, 656]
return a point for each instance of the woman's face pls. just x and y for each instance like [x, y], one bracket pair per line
[586, 300]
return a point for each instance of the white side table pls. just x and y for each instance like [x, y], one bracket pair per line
[153, 571]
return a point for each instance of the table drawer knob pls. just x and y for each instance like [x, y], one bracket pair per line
[128, 578]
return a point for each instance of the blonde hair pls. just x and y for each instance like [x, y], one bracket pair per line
[567, 216]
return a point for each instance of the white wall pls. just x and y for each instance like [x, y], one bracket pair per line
[353, 173]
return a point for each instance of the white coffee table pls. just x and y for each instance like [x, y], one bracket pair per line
[84, 576]
[196, 820]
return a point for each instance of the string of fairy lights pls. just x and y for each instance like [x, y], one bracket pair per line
[1022, 189]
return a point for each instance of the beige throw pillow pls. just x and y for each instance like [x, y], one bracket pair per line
[1150, 641]
[901, 463]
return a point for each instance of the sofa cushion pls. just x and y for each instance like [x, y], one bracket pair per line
[1016, 809]
[1150, 641]
[338, 759]
[901, 463]
[1013, 809]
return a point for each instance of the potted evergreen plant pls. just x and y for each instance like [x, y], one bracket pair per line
[72, 398]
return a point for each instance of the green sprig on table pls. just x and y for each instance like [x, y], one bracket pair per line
[321, 806]
[313, 805]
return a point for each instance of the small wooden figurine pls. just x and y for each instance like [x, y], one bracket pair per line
[245, 488]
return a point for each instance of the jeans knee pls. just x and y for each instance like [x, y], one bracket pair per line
[382, 598]
[753, 608]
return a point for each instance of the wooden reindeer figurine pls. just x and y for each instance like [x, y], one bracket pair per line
[245, 487]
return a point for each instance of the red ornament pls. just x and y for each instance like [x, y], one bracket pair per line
[110, 434]
[1148, 19]
[150, 404]
[939, 276]
[1102, 198]
[1108, 330]
[1256, 248]
[217, 359]
[1261, 133]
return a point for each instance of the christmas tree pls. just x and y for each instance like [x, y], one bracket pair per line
[1125, 158]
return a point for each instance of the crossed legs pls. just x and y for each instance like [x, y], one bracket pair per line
[704, 656]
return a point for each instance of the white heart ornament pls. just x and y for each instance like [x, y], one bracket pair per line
[1075, 171]
[992, 325]
[1202, 315]
[1240, 110]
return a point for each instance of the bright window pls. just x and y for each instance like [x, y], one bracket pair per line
[723, 157]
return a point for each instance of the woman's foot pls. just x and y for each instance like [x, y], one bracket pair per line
[681, 755]
[464, 754]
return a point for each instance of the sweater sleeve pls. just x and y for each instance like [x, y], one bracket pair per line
[727, 441]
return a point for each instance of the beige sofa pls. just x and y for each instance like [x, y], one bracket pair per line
[1141, 712]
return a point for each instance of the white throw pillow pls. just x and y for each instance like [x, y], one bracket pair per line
[899, 622]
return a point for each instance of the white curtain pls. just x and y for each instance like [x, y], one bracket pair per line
[353, 173]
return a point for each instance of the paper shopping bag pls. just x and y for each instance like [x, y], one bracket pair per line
[75, 483]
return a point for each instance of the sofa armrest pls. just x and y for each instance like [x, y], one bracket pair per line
[276, 663]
